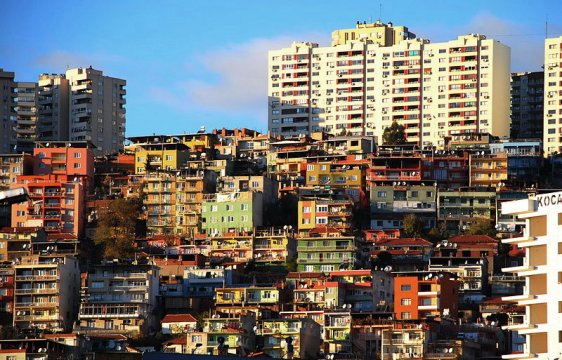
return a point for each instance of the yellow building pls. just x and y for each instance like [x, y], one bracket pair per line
[159, 152]
[335, 174]
[372, 33]
[17, 242]
[173, 200]
[488, 169]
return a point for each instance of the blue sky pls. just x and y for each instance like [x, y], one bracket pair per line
[193, 63]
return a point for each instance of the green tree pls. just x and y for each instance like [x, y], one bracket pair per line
[482, 227]
[394, 134]
[435, 235]
[413, 225]
[117, 228]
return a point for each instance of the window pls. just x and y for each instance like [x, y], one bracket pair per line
[310, 167]
[244, 207]
[77, 155]
[306, 209]
[406, 315]
[322, 220]
[381, 193]
[406, 301]
[406, 287]
[168, 157]
[77, 165]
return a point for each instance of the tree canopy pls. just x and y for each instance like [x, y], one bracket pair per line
[394, 135]
[117, 228]
[413, 225]
[482, 227]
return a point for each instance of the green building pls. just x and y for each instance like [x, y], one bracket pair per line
[234, 212]
[325, 249]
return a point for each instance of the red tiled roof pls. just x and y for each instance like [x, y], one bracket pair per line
[350, 273]
[171, 318]
[62, 236]
[55, 336]
[473, 239]
[177, 341]
[397, 252]
[325, 229]
[497, 300]
[404, 241]
[12, 351]
[307, 275]
[19, 230]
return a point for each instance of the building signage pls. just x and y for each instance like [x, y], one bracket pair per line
[552, 199]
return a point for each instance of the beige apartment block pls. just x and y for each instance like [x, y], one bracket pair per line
[553, 96]
[542, 270]
[52, 104]
[97, 109]
[376, 33]
[46, 292]
[435, 90]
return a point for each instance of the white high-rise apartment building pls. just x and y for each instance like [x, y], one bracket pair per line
[361, 86]
[97, 109]
[542, 270]
[553, 96]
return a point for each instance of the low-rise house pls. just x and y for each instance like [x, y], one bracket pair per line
[175, 324]
[223, 336]
[289, 338]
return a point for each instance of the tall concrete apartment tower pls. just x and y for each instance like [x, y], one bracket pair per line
[97, 109]
[7, 111]
[527, 105]
[25, 130]
[361, 84]
[53, 110]
[552, 137]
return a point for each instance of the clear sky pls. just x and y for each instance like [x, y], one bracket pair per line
[194, 62]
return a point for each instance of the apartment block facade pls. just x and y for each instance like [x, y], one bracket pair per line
[25, 130]
[97, 109]
[541, 270]
[46, 292]
[62, 177]
[232, 212]
[120, 298]
[433, 89]
[7, 111]
[527, 97]
[53, 107]
[552, 123]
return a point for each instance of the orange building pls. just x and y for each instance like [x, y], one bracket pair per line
[62, 177]
[418, 295]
